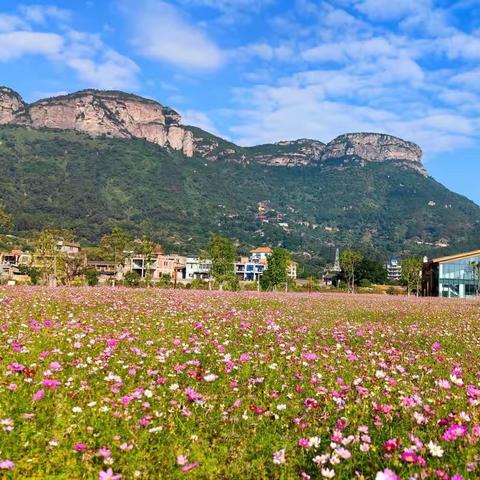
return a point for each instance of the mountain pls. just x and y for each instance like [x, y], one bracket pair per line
[94, 159]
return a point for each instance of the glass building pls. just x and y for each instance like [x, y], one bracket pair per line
[456, 276]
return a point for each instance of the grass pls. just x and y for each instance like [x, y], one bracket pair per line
[175, 384]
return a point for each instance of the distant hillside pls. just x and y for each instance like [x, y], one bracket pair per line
[90, 184]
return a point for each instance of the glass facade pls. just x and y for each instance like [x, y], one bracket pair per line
[459, 278]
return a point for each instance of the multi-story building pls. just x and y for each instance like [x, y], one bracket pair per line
[156, 265]
[251, 269]
[394, 269]
[455, 276]
[195, 267]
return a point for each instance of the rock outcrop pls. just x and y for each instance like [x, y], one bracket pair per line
[120, 115]
[374, 147]
[113, 114]
[289, 153]
[12, 107]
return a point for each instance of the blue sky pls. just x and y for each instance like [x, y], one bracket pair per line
[258, 71]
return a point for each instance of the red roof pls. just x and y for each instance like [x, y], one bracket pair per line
[262, 250]
[158, 251]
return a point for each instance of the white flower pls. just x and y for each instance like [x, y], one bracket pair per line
[328, 473]
[148, 393]
[281, 406]
[173, 387]
[77, 410]
[210, 377]
[435, 450]
[380, 374]
[315, 441]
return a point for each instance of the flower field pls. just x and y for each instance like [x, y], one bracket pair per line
[114, 383]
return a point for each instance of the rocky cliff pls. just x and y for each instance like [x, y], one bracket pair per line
[114, 114]
[374, 147]
[120, 115]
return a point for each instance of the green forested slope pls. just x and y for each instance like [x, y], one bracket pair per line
[69, 180]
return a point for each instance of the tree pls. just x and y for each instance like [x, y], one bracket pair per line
[371, 270]
[276, 272]
[91, 275]
[131, 279]
[33, 272]
[412, 274]
[115, 244]
[222, 253]
[46, 254]
[147, 248]
[5, 220]
[350, 261]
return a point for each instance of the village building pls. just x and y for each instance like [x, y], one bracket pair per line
[156, 265]
[107, 271]
[10, 263]
[68, 248]
[195, 267]
[454, 276]
[251, 268]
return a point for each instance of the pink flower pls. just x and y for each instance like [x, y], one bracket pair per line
[79, 447]
[387, 474]
[51, 383]
[409, 456]
[38, 395]
[104, 452]
[436, 346]
[390, 445]
[193, 396]
[182, 460]
[16, 367]
[190, 466]
[7, 465]
[454, 431]
[55, 366]
[304, 443]
[109, 475]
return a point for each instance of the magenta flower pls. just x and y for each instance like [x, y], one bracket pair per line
[454, 431]
[16, 367]
[193, 396]
[390, 445]
[79, 447]
[409, 456]
[51, 383]
[304, 443]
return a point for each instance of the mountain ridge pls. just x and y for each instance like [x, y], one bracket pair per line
[123, 115]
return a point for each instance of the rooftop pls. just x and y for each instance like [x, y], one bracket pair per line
[458, 256]
[261, 250]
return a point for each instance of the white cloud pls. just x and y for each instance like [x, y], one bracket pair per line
[9, 23]
[198, 119]
[110, 70]
[160, 32]
[41, 13]
[14, 45]
[263, 51]
[350, 50]
[387, 10]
